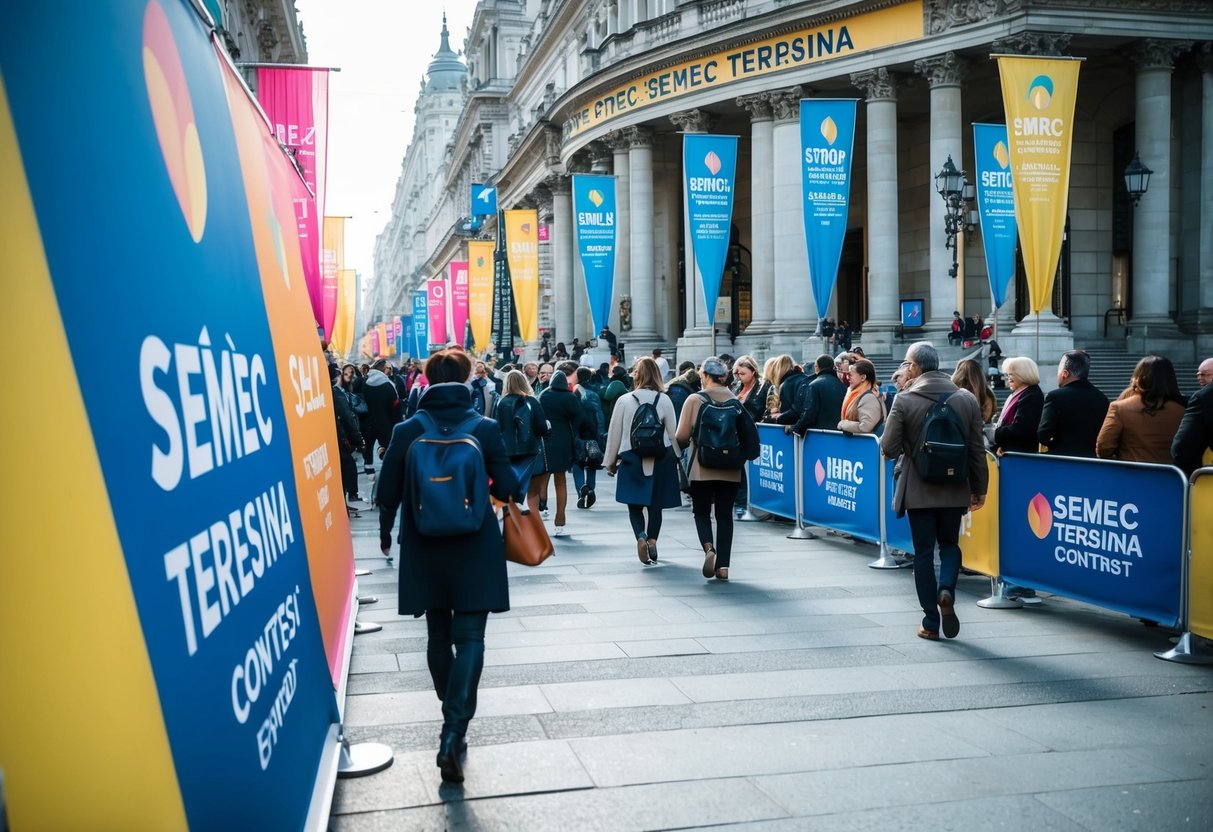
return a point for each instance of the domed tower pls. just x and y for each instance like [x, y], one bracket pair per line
[446, 72]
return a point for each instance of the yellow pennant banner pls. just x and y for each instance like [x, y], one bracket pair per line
[332, 261]
[480, 292]
[1038, 95]
[347, 301]
[384, 345]
[522, 251]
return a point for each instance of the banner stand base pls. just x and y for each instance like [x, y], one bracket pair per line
[368, 599]
[364, 627]
[748, 517]
[801, 533]
[1187, 651]
[999, 599]
[363, 758]
[887, 560]
[362, 573]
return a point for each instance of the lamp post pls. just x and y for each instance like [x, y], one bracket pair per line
[957, 193]
[1137, 179]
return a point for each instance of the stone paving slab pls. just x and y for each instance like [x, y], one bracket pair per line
[795, 697]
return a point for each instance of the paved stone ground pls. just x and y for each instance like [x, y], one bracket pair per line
[795, 697]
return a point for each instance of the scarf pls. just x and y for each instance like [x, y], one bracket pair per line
[1008, 409]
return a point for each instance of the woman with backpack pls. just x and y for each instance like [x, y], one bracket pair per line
[565, 414]
[523, 428]
[640, 443]
[454, 579]
[713, 488]
[863, 407]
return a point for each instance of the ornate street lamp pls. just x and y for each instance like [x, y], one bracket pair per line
[957, 193]
[1137, 179]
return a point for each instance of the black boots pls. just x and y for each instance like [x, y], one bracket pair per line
[450, 748]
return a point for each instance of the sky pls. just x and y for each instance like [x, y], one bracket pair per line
[382, 48]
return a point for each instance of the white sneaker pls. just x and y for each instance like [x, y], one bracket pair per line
[545, 514]
[560, 532]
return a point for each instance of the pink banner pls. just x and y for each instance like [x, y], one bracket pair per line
[436, 291]
[375, 341]
[295, 100]
[459, 301]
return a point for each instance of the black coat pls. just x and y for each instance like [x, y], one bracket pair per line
[1071, 419]
[348, 432]
[1019, 434]
[507, 406]
[791, 396]
[1195, 431]
[384, 407]
[563, 409]
[822, 408]
[465, 573]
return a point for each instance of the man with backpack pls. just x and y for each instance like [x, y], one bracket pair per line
[935, 429]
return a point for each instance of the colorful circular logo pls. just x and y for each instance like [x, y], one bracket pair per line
[1040, 517]
[1040, 91]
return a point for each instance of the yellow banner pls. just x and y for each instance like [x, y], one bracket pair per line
[347, 306]
[1038, 95]
[480, 293]
[1200, 565]
[801, 47]
[332, 261]
[384, 345]
[522, 251]
[979, 529]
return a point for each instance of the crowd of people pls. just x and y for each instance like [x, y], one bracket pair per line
[691, 435]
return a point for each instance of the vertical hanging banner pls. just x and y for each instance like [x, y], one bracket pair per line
[421, 328]
[406, 337]
[296, 101]
[1038, 95]
[436, 293]
[995, 206]
[709, 166]
[827, 137]
[375, 342]
[480, 293]
[459, 301]
[347, 307]
[332, 261]
[382, 339]
[198, 643]
[522, 253]
[397, 335]
[594, 209]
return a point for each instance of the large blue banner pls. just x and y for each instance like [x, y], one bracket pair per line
[421, 324]
[896, 529]
[1108, 533]
[996, 206]
[772, 477]
[827, 136]
[709, 164]
[409, 342]
[841, 488]
[594, 207]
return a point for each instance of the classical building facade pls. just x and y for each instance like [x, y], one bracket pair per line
[259, 31]
[612, 86]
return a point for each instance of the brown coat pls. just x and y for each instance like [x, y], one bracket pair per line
[1131, 434]
[903, 429]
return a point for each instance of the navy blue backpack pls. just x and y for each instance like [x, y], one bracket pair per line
[446, 479]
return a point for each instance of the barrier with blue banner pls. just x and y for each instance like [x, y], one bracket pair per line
[1108, 533]
[772, 477]
[841, 488]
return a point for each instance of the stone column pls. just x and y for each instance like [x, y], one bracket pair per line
[562, 245]
[795, 312]
[762, 249]
[884, 273]
[691, 121]
[944, 72]
[1152, 327]
[1204, 338]
[644, 280]
[619, 145]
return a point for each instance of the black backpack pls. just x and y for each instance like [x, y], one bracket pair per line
[718, 429]
[648, 433]
[518, 429]
[942, 455]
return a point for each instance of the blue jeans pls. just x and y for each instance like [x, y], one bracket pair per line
[581, 478]
[456, 677]
[929, 526]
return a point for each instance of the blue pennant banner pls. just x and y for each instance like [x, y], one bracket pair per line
[827, 137]
[421, 324]
[996, 205]
[594, 206]
[709, 164]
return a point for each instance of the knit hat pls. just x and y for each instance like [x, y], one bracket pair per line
[714, 367]
[559, 381]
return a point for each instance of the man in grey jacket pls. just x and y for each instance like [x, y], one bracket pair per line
[935, 510]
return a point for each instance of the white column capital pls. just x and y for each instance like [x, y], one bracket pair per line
[946, 70]
[639, 137]
[693, 121]
[785, 104]
[1158, 53]
[1033, 43]
[618, 140]
[877, 84]
[758, 106]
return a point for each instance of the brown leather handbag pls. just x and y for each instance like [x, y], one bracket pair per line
[526, 538]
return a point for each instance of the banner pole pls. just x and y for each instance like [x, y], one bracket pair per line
[886, 559]
[800, 532]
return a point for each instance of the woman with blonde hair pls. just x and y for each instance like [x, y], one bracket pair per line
[648, 480]
[1142, 423]
[1016, 427]
[968, 376]
[790, 380]
[863, 412]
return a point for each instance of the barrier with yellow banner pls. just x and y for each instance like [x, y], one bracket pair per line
[979, 529]
[1199, 606]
